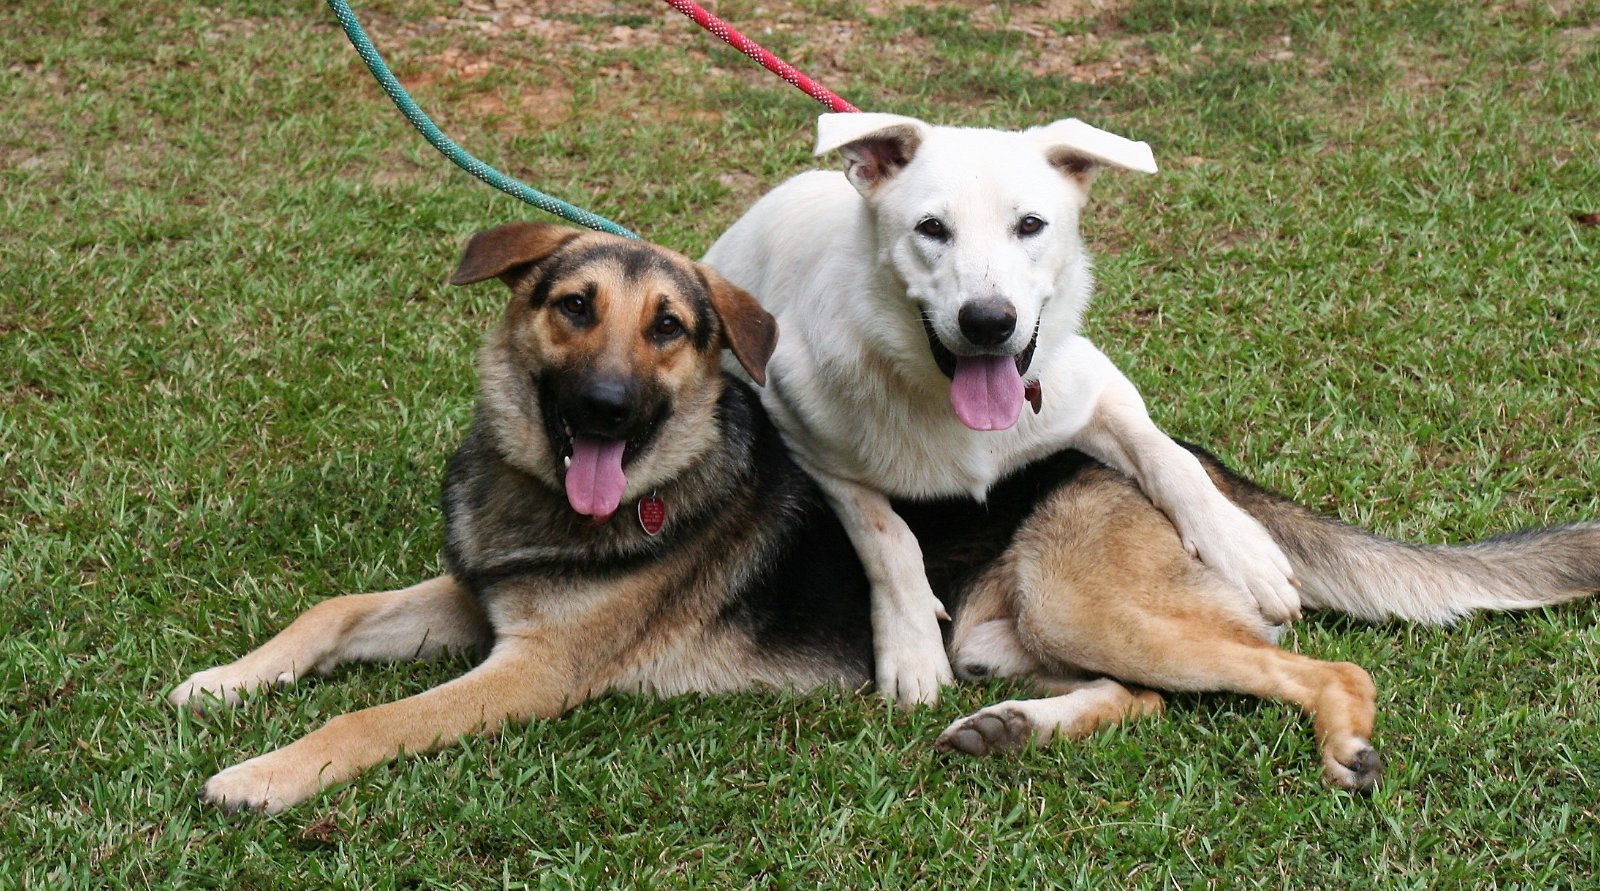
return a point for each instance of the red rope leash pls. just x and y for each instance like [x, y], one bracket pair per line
[728, 34]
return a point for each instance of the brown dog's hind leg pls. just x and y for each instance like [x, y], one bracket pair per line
[985, 643]
[1105, 586]
[1085, 707]
[423, 621]
[1339, 696]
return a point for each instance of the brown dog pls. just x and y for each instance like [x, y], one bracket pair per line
[623, 516]
[601, 386]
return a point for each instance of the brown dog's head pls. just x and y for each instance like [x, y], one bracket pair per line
[604, 375]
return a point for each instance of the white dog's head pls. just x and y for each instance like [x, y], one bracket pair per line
[981, 227]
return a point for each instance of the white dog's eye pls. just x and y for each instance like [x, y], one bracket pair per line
[1030, 225]
[933, 228]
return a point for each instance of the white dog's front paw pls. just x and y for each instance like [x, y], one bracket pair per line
[1245, 554]
[225, 685]
[269, 783]
[911, 661]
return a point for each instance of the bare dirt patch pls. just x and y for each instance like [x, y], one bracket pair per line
[1070, 38]
[508, 65]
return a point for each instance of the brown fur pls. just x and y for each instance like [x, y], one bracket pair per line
[1097, 583]
[556, 639]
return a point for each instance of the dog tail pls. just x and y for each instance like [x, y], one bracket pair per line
[1345, 568]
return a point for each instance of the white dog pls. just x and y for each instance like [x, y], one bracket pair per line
[925, 295]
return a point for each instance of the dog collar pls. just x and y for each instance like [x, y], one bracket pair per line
[652, 514]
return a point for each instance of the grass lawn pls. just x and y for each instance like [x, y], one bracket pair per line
[232, 372]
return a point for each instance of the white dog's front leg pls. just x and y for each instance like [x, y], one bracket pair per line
[908, 648]
[1230, 541]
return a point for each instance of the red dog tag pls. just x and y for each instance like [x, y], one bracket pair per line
[1035, 395]
[652, 514]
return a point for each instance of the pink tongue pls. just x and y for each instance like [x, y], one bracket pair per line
[594, 478]
[986, 392]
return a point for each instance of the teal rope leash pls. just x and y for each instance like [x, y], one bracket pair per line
[446, 147]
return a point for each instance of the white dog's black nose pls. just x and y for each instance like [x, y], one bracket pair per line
[988, 322]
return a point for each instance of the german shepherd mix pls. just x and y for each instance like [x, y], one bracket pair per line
[624, 517]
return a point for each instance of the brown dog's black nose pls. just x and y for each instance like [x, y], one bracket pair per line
[987, 322]
[602, 406]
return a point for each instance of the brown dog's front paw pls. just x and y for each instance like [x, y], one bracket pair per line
[995, 729]
[225, 686]
[258, 785]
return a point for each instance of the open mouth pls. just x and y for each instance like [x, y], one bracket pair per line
[947, 360]
[592, 467]
[986, 392]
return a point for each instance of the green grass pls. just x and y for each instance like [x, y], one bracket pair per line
[232, 374]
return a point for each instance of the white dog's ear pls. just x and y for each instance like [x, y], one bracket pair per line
[875, 146]
[1078, 150]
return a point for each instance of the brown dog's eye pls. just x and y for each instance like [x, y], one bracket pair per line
[667, 327]
[575, 306]
[1030, 225]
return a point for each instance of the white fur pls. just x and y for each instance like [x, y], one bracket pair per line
[853, 384]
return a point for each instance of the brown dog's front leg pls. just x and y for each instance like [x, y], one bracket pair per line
[524, 677]
[423, 621]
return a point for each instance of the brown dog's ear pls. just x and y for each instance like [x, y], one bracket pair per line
[504, 250]
[751, 332]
